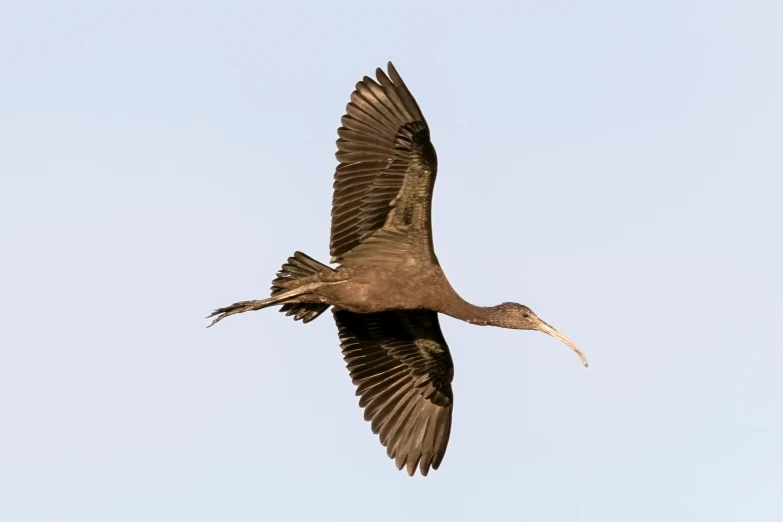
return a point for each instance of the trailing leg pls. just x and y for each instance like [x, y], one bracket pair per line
[297, 278]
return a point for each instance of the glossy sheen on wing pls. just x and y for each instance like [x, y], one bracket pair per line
[383, 184]
[403, 370]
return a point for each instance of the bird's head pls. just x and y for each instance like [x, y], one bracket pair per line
[520, 317]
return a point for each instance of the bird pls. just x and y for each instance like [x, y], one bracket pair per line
[388, 288]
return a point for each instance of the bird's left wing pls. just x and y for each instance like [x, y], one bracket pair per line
[403, 370]
[384, 182]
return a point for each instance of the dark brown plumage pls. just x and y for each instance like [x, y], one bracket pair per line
[389, 288]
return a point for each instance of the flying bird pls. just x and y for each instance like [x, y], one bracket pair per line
[388, 287]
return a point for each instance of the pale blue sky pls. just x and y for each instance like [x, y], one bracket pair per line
[615, 167]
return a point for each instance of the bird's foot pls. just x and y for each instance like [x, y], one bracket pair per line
[236, 308]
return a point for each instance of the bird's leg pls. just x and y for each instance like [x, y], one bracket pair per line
[237, 308]
[249, 306]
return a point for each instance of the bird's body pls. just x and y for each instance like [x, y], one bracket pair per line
[367, 289]
[389, 287]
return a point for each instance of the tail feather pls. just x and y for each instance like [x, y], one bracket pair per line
[299, 265]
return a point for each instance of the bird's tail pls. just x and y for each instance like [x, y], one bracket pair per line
[299, 266]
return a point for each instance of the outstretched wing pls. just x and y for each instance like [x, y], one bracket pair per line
[383, 184]
[403, 370]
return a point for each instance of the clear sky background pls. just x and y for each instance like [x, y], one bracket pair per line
[617, 167]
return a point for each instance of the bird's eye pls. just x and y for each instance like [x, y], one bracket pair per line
[526, 314]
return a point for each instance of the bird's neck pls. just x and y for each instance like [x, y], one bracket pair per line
[460, 309]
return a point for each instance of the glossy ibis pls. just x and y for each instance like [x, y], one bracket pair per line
[389, 288]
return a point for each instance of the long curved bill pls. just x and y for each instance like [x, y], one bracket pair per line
[551, 330]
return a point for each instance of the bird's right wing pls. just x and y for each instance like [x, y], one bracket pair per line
[403, 370]
[384, 182]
